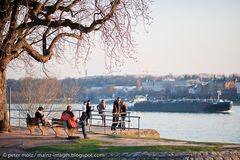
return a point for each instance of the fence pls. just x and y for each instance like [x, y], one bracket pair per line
[18, 118]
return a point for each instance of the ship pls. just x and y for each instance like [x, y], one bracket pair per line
[186, 106]
[139, 98]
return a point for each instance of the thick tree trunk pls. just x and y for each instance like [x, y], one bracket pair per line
[3, 100]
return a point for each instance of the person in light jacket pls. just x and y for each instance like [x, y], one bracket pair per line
[101, 107]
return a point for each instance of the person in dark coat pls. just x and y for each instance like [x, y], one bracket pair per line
[124, 109]
[39, 114]
[116, 113]
[88, 111]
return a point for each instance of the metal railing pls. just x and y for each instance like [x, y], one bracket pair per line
[120, 124]
[18, 118]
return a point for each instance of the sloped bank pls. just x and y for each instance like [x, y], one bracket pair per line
[142, 133]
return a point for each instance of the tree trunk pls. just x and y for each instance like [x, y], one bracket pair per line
[3, 100]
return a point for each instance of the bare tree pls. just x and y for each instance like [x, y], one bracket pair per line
[37, 92]
[69, 92]
[43, 92]
[39, 29]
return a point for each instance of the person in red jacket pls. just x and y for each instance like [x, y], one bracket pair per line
[68, 116]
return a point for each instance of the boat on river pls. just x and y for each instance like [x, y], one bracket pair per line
[183, 105]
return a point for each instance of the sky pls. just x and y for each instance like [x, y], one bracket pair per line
[185, 37]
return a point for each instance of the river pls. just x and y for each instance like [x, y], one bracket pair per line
[207, 127]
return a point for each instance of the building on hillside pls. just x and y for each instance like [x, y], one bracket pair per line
[216, 85]
[200, 90]
[179, 89]
[156, 86]
[238, 90]
[166, 88]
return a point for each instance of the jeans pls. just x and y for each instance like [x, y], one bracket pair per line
[103, 117]
[123, 122]
[115, 121]
[82, 125]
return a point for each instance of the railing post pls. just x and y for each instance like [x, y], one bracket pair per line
[129, 120]
[138, 125]
[19, 117]
[104, 124]
[9, 106]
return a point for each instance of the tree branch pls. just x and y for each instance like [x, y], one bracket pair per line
[44, 43]
[51, 46]
[48, 52]
[9, 39]
[69, 23]
[5, 15]
[35, 54]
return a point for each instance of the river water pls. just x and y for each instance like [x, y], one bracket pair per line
[206, 127]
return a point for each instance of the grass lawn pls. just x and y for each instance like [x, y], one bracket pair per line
[97, 146]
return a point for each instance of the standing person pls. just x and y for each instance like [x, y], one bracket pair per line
[84, 109]
[39, 114]
[88, 111]
[124, 109]
[116, 112]
[101, 110]
[82, 122]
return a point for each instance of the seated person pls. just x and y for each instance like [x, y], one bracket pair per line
[39, 114]
[69, 117]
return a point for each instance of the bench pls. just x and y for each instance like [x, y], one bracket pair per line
[33, 123]
[58, 125]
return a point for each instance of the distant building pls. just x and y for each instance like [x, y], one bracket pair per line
[166, 88]
[180, 88]
[200, 90]
[138, 85]
[124, 88]
[214, 86]
[192, 90]
[156, 86]
[238, 90]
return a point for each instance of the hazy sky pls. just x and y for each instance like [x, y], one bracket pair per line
[186, 37]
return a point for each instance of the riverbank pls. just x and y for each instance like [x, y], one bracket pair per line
[19, 142]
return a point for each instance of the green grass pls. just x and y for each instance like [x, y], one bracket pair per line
[172, 140]
[96, 146]
[82, 146]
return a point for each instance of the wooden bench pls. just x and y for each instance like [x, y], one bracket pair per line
[58, 125]
[33, 123]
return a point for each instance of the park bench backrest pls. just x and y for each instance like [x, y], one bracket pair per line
[59, 123]
[32, 121]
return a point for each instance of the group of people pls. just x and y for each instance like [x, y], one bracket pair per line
[86, 110]
[67, 115]
[119, 111]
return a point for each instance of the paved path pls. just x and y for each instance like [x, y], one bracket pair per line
[13, 145]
